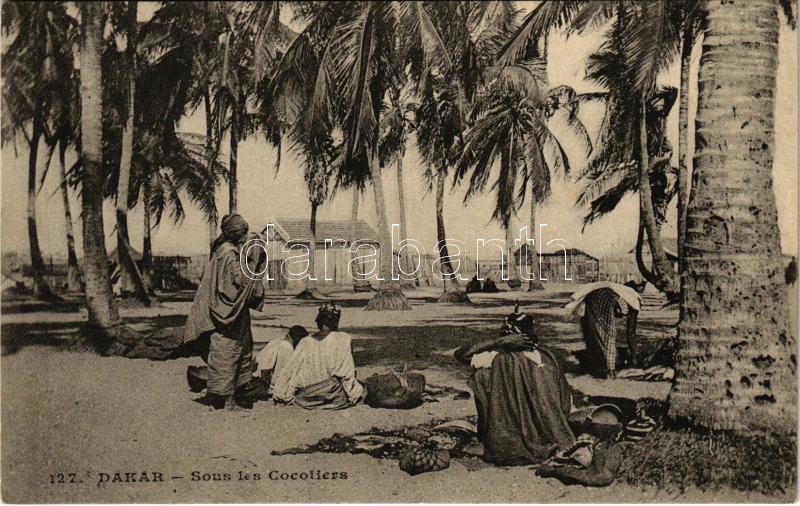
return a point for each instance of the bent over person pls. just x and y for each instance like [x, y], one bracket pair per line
[220, 313]
[604, 302]
[521, 395]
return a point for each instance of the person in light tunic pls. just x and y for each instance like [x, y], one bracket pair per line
[321, 374]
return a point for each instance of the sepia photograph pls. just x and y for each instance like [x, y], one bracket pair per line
[399, 251]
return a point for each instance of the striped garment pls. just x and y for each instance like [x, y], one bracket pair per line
[599, 328]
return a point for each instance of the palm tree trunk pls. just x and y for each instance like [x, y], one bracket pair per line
[645, 271]
[406, 260]
[147, 242]
[233, 184]
[41, 289]
[664, 279]
[311, 284]
[354, 225]
[130, 277]
[683, 147]
[99, 302]
[73, 271]
[452, 290]
[513, 272]
[736, 366]
[533, 255]
[389, 296]
[211, 155]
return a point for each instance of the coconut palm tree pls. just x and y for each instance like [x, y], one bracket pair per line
[73, 270]
[130, 276]
[194, 28]
[345, 49]
[644, 39]
[446, 81]
[253, 38]
[31, 96]
[102, 310]
[439, 142]
[736, 367]
[511, 126]
[397, 122]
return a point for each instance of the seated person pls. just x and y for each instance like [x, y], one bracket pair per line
[474, 285]
[521, 395]
[604, 303]
[275, 354]
[320, 373]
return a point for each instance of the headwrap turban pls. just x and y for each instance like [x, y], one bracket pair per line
[234, 226]
[328, 316]
[517, 323]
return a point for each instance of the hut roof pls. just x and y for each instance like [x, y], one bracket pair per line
[299, 230]
[137, 255]
[670, 245]
[523, 251]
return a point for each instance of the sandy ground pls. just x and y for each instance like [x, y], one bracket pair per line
[68, 412]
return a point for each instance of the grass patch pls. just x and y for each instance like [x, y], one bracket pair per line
[677, 459]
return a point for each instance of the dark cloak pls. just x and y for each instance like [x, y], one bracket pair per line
[522, 409]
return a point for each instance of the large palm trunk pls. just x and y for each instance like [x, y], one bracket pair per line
[736, 367]
[533, 255]
[683, 147]
[663, 276]
[130, 277]
[99, 302]
[452, 290]
[73, 270]
[41, 289]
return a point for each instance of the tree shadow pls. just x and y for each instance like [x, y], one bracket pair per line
[29, 305]
[15, 336]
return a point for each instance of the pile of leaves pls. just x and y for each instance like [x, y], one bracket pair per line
[676, 459]
[390, 444]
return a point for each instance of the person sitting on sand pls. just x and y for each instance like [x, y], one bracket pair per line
[521, 395]
[321, 372]
[277, 353]
[474, 285]
[603, 303]
[220, 313]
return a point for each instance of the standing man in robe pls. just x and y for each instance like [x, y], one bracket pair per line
[220, 313]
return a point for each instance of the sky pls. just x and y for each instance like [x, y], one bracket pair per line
[265, 195]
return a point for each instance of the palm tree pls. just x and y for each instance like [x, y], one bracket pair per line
[102, 310]
[253, 37]
[511, 125]
[317, 176]
[346, 49]
[439, 141]
[644, 39]
[73, 270]
[447, 79]
[397, 123]
[130, 276]
[690, 29]
[736, 366]
[31, 94]
[194, 28]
